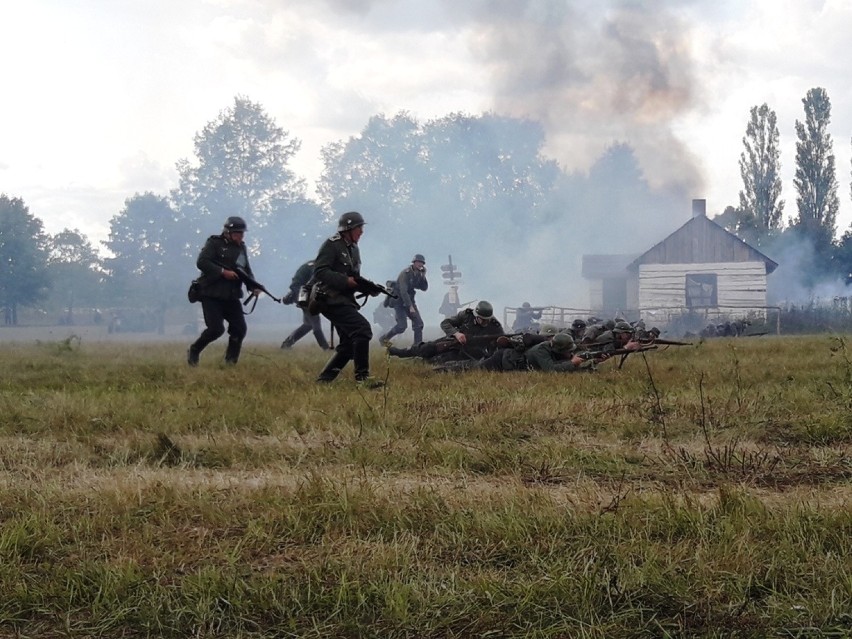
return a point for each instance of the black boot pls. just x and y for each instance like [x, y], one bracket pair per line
[192, 354]
[333, 367]
[232, 353]
[361, 355]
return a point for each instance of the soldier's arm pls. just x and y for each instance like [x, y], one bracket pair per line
[206, 262]
[450, 325]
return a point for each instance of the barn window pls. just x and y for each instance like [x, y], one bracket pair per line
[701, 290]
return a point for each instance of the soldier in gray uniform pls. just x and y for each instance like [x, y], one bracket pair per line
[336, 269]
[409, 281]
[472, 334]
[309, 322]
[221, 290]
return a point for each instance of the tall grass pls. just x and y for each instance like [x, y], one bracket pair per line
[698, 492]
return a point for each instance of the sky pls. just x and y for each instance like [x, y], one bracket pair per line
[103, 97]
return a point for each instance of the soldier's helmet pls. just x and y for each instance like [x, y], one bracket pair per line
[578, 325]
[418, 258]
[235, 223]
[525, 305]
[609, 325]
[484, 310]
[349, 221]
[622, 327]
[548, 329]
[562, 342]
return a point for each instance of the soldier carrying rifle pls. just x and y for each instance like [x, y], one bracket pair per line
[221, 261]
[337, 278]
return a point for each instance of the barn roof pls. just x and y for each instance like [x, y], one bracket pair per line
[700, 241]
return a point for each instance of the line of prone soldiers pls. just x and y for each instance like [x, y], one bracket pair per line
[474, 340]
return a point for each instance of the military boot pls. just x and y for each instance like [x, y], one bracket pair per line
[361, 355]
[333, 367]
[232, 353]
[192, 354]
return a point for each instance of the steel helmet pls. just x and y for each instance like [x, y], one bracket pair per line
[349, 221]
[562, 342]
[235, 223]
[418, 258]
[525, 305]
[578, 324]
[622, 327]
[548, 329]
[484, 310]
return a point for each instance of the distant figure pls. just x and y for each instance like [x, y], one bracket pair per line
[525, 318]
[309, 322]
[450, 305]
[221, 290]
[410, 280]
[383, 316]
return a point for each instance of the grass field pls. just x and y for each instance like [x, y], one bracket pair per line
[700, 491]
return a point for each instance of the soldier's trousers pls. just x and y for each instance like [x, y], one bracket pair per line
[354, 344]
[216, 313]
[309, 323]
[402, 318]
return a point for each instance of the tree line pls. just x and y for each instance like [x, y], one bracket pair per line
[481, 179]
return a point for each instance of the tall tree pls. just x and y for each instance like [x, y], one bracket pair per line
[761, 208]
[815, 179]
[24, 278]
[76, 271]
[150, 262]
[241, 169]
[460, 176]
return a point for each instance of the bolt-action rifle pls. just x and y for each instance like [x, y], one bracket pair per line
[250, 283]
[368, 288]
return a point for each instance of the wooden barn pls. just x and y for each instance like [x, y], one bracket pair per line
[700, 268]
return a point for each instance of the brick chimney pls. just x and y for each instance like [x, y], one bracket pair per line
[699, 208]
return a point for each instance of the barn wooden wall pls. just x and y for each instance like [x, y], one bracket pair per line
[663, 286]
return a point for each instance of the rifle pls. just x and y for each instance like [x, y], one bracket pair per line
[623, 352]
[368, 288]
[250, 283]
[665, 342]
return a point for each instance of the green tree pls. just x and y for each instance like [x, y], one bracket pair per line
[150, 263]
[815, 179]
[761, 208]
[463, 176]
[24, 277]
[241, 169]
[75, 270]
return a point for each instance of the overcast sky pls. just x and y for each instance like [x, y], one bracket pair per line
[103, 97]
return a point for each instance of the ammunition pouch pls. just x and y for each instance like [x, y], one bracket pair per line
[317, 299]
[194, 292]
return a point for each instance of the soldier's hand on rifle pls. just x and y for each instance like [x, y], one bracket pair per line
[256, 292]
[412, 311]
[632, 345]
[228, 274]
[352, 282]
[461, 338]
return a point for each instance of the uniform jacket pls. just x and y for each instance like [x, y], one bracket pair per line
[221, 253]
[542, 357]
[301, 277]
[336, 262]
[465, 322]
[407, 283]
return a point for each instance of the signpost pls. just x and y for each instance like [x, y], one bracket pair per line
[450, 273]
